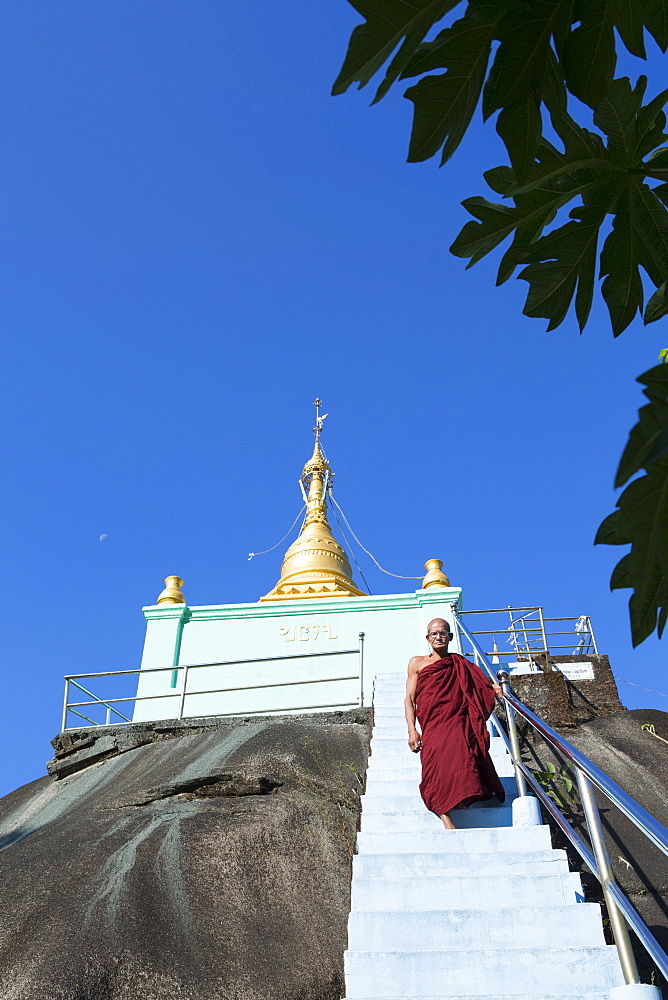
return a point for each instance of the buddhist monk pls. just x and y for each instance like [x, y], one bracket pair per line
[452, 700]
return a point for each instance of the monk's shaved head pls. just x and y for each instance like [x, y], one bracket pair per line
[438, 621]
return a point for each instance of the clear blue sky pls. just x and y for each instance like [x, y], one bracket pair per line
[197, 240]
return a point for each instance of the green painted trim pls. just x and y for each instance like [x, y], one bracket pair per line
[164, 611]
[317, 606]
[183, 618]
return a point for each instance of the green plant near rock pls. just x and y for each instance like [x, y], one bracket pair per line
[558, 784]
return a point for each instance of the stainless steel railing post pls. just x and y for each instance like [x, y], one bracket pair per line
[66, 700]
[606, 876]
[592, 636]
[360, 696]
[182, 699]
[504, 680]
[543, 632]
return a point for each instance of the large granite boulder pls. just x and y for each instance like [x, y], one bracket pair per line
[637, 760]
[204, 861]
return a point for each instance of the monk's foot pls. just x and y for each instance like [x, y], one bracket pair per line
[447, 822]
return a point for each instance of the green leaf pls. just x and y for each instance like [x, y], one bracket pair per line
[622, 288]
[661, 192]
[657, 307]
[564, 260]
[648, 440]
[444, 104]
[621, 575]
[650, 130]
[589, 56]
[520, 127]
[498, 221]
[663, 618]
[656, 19]
[554, 94]
[639, 238]
[559, 799]
[607, 532]
[651, 220]
[522, 58]
[585, 160]
[641, 518]
[628, 17]
[617, 113]
[477, 238]
[387, 23]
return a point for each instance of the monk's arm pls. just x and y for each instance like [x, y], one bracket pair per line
[414, 740]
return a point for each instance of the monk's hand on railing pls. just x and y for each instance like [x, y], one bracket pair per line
[496, 688]
[415, 741]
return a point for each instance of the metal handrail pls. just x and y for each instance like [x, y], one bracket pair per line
[621, 911]
[109, 703]
[644, 820]
[532, 633]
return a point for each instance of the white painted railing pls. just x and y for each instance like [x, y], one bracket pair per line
[182, 672]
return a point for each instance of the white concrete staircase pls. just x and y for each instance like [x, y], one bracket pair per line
[485, 911]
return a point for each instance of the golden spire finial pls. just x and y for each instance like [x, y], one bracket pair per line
[315, 565]
[435, 576]
[172, 593]
[316, 477]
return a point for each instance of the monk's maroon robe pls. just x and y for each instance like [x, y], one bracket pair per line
[453, 701]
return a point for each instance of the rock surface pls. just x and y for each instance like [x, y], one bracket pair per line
[638, 761]
[188, 862]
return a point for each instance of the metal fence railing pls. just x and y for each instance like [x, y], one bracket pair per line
[526, 632]
[108, 708]
[621, 911]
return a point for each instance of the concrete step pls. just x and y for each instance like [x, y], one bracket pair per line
[535, 972]
[380, 769]
[381, 734]
[398, 741]
[389, 729]
[522, 839]
[405, 769]
[383, 771]
[414, 821]
[380, 760]
[395, 710]
[578, 995]
[397, 866]
[410, 764]
[412, 802]
[517, 927]
[398, 679]
[393, 718]
[468, 892]
[407, 788]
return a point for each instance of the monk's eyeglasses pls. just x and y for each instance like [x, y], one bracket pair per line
[436, 635]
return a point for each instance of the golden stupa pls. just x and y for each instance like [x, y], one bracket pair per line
[315, 565]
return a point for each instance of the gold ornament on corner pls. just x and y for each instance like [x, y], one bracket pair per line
[435, 576]
[172, 594]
